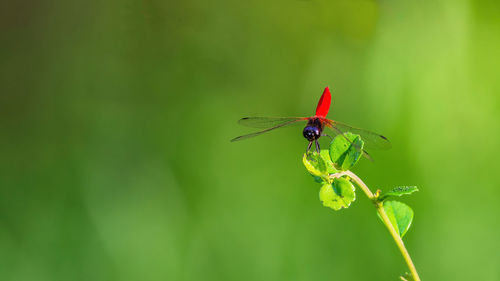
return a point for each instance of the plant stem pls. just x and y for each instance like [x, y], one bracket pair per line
[387, 222]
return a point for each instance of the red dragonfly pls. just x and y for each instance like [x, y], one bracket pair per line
[315, 126]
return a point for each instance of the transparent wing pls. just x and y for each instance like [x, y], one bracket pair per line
[270, 123]
[338, 132]
[267, 122]
[372, 140]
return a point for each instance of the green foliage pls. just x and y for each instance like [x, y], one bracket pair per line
[338, 194]
[319, 165]
[400, 215]
[325, 155]
[315, 164]
[337, 190]
[398, 191]
[329, 168]
[345, 151]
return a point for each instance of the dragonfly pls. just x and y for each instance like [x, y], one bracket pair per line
[315, 127]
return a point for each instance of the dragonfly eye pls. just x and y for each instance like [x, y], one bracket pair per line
[311, 133]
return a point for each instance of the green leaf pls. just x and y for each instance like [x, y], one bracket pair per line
[319, 165]
[400, 215]
[325, 154]
[345, 151]
[398, 191]
[315, 164]
[337, 195]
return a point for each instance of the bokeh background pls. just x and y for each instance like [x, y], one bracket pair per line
[116, 116]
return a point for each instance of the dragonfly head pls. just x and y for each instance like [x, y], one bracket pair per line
[311, 133]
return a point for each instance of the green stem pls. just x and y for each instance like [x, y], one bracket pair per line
[387, 222]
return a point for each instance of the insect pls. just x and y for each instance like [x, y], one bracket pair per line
[315, 126]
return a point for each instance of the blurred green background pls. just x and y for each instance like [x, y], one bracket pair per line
[116, 118]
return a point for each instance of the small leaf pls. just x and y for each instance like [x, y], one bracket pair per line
[345, 151]
[337, 195]
[400, 215]
[398, 191]
[315, 164]
[325, 154]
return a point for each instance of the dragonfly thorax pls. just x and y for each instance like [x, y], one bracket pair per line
[313, 130]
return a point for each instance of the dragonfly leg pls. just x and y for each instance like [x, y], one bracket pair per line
[309, 147]
[317, 146]
[327, 135]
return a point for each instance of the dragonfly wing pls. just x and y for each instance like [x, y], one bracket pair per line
[267, 122]
[372, 140]
[259, 122]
